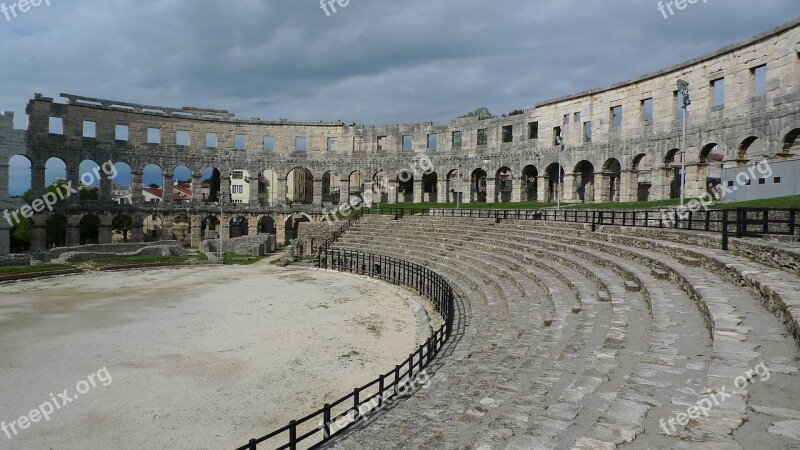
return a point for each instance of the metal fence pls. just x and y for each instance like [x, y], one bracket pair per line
[323, 424]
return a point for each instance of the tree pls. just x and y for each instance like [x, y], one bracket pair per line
[213, 194]
[122, 225]
[56, 231]
[481, 113]
[21, 234]
[89, 193]
[154, 186]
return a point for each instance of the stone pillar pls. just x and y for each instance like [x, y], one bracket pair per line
[197, 187]
[491, 189]
[280, 192]
[571, 181]
[344, 191]
[195, 231]
[518, 188]
[137, 197]
[253, 192]
[4, 195]
[224, 226]
[104, 236]
[317, 192]
[418, 191]
[39, 235]
[542, 186]
[696, 180]
[105, 187]
[628, 187]
[392, 190]
[37, 181]
[137, 230]
[5, 238]
[74, 233]
[168, 188]
[225, 188]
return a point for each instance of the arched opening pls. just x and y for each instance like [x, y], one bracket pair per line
[19, 177]
[210, 182]
[239, 227]
[530, 175]
[209, 228]
[405, 186]
[55, 170]
[380, 187]
[153, 228]
[455, 187]
[790, 142]
[478, 186]
[355, 185]
[292, 226]
[121, 228]
[430, 187]
[612, 170]
[300, 186]
[182, 230]
[56, 230]
[152, 183]
[504, 185]
[21, 235]
[121, 192]
[642, 171]
[89, 177]
[712, 160]
[267, 226]
[555, 182]
[182, 185]
[749, 150]
[331, 187]
[240, 186]
[584, 181]
[673, 172]
[90, 230]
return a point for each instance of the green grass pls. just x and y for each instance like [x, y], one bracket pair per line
[626, 205]
[780, 202]
[135, 260]
[240, 260]
[18, 270]
[426, 206]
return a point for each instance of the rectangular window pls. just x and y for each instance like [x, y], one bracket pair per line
[616, 117]
[182, 138]
[56, 125]
[121, 133]
[89, 129]
[239, 142]
[508, 133]
[433, 141]
[300, 144]
[237, 175]
[408, 142]
[647, 110]
[381, 143]
[762, 181]
[533, 130]
[577, 118]
[237, 189]
[759, 76]
[483, 137]
[587, 131]
[566, 119]
[153, 135]
[457, 139]
[211, 140]
[331, 145]
[556, 136]
[777, 180]
[718, 91]
[269, 143]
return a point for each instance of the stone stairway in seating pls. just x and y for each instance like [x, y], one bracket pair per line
[575, 339]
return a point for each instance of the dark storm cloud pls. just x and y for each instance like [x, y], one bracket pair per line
[372, 62]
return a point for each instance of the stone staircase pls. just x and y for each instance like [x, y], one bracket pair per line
[594, 340]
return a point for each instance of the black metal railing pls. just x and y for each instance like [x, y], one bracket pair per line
[738, 222]
[327, 422]
[336, 235]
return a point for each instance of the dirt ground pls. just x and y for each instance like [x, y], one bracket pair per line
[202, 357]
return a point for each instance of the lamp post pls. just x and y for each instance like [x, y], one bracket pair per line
[219, 232]
[683, 89]
[560, 142]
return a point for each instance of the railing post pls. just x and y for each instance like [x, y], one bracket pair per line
[725, 229]
[326, 417]
[293, 435]
[792, 225]
[252, 445]
[741, 224]
[381, 388]
[356, 401]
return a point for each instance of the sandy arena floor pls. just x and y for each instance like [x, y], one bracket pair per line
[195, 358]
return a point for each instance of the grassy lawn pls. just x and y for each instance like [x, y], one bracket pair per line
[134, 260]
[240, 260]
[17, 270]
[781, 202]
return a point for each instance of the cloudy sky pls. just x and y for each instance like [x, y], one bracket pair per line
[375, 61]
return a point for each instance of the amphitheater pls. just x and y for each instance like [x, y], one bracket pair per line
[557, 334]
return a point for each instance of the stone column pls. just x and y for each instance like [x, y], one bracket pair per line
[137, 230]
[37, 181]
[168, 188]
[74, 232]
[518, 188]
[39, 234]
[104, 236]
[4, 195]
[392, 191]
[571, 186]
[225, 188]
[105, 187]
[629, 182]
[418, 191]
[491, 185]
[194, 231]
[137, 197]
[317, 192]
[197, 187]
[5, 238]
[253, 191]
[280, 192]
[542, 186]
